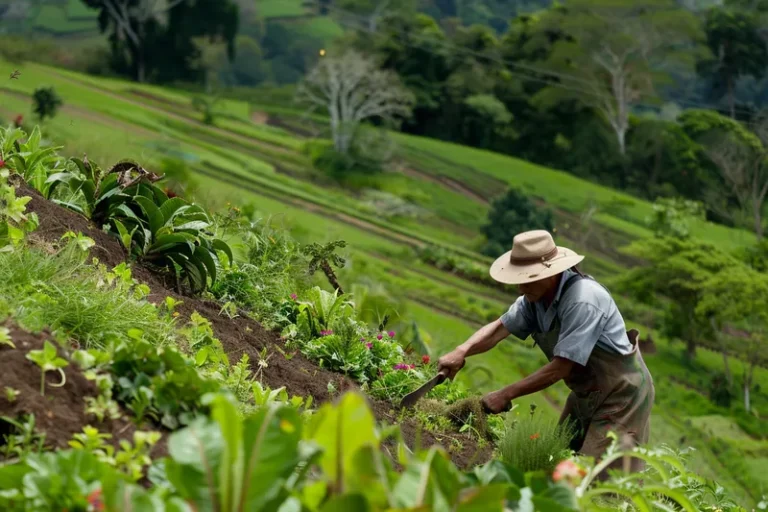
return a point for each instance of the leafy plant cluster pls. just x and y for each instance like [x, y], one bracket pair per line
[444, 259]
[168, 234]
[270, 459]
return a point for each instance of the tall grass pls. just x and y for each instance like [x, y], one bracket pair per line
[80, 300]
[535, 443]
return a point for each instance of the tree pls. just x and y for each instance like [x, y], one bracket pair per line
[680, 271]
[740, 157]
[619, 52]
[156, 36]
[132, 21]
[46, 102]
[671, 217]
[323, 257]
[352, 89]
[511, 214]
[738, 49]
[737, 302]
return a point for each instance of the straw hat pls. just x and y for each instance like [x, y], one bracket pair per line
[534, 256]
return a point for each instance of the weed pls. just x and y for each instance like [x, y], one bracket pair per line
[535, 443]
[24, 441]
[48, 360]
[11, 394]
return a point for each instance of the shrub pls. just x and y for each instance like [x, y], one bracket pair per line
[535, 443]
[46, 102]
[511, 214]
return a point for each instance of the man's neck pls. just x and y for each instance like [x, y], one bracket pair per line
[549, 298]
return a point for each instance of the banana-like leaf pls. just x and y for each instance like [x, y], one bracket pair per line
[153, 214]
[205, 256]
[220, 245]
[171, 208]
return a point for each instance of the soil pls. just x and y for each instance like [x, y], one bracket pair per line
[238, 336]
[59, 413]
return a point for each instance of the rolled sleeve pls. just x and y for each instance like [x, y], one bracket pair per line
[580, 327]
[519, 319]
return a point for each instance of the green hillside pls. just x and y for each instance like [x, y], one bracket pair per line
[251, 156]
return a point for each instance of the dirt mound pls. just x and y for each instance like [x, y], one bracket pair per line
[59, 413]
[240, 335]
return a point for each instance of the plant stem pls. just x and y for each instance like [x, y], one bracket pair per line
[42, 382]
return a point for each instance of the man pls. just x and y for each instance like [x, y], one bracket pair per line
[577, 325]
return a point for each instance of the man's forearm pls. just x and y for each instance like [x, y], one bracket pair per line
[484, 339]
[542, 378]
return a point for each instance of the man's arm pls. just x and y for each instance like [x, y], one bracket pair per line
[483, 340]
[547, 375]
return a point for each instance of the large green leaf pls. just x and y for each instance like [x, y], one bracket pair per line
[234, 464]
[346, 503]
[206, 258]
[220, 245]
[341, 430]
[434, 482]
[152, 212]
[172, 207]
[165, 242]
[195, 463]
[480, 499]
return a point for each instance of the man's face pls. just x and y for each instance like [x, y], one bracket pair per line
[539, 290]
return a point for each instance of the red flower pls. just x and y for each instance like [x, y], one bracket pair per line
[2, 163]
[94, 499]
[425, 359]
[535, 436]
[18, 120]
[569, 471]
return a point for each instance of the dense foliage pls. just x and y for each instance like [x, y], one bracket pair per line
[511, 214]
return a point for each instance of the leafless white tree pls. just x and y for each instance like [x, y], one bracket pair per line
[351, 89]
[743, 167]
[122, 13]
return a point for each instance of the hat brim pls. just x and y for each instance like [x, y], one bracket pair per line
[504, 271]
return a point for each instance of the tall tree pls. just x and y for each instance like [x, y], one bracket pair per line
[352, 89]
[741, 157]
[156, 36]
[620, 51]
[737, 302]
[738, 50]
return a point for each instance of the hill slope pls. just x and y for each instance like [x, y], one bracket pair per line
[243, 160]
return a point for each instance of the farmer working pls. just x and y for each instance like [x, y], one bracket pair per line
[577, 325]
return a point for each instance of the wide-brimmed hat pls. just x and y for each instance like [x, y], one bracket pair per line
[534, 256]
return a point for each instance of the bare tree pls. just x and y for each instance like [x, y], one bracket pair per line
[618, 49]
[352, 89]
[743, 167]
[131, 20]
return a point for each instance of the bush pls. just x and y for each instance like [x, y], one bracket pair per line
[535, 443]
[46, 102]
[342, 168]
[510, 215]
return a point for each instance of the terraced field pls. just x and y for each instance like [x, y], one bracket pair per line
[254, 155]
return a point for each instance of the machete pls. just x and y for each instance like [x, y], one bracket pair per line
[410, 399]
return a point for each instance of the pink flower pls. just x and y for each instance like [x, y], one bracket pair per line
[569, 471]
[391, 334]
[294, 296]
[425, 359]
[362, 340]
[379, 337]
[2, 163]
[326, 333]
[401, 366]
[368, 345]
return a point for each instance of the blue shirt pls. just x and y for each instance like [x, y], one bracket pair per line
[588, 317]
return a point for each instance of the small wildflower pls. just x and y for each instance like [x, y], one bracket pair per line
[401, 366]
[535, 436]
[2, 163]
[425, 359]
[175, 314]
[294, 296]
[391, 334]
[362, 340]
[368, 345]
[94, 499]
[379, 337]
[569, 471]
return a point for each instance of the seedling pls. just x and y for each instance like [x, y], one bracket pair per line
[5, 337]
[263, 363]
[48, 360]
[11, 393]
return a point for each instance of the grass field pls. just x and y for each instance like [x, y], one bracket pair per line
[280, 8]
[239, 161]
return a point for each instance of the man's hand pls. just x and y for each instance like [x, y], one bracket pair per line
[451, 362]
[497, 402]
